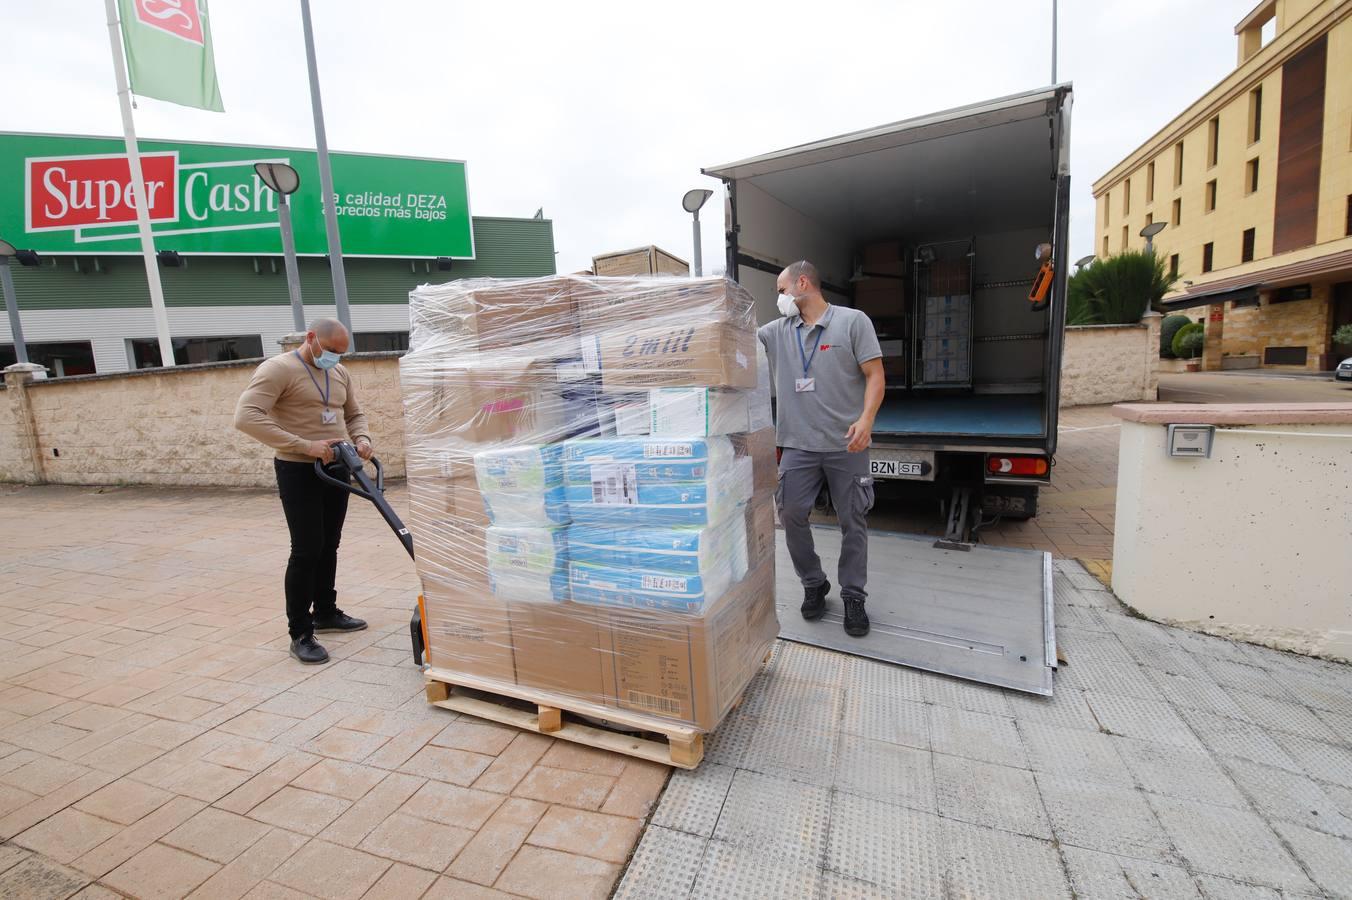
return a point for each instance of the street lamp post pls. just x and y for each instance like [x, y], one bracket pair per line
[691, 202]
[284, 181]
[1149, 232]
[8, 250]
[1084, 261]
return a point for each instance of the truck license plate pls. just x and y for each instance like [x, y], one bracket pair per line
[885, 464]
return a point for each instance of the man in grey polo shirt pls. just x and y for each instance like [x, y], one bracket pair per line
[828, 377]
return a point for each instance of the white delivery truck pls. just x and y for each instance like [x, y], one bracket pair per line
[950, 231]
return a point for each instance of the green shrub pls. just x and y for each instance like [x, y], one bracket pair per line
[1343, 336]
[1168, 328]
[1185, 346]
[1117, 290]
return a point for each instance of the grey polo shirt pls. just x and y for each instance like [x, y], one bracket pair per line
[818, 420]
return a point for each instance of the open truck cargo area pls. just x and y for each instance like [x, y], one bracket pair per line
[950, 231]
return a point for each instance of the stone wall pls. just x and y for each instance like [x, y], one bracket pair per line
[15, 462]
[173, 426]
[1111, 363]
[1299, 323]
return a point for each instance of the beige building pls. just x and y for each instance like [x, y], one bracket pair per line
[1253, 183]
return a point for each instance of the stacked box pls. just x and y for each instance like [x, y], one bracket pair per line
[591, 466]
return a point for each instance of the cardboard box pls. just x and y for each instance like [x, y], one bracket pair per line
[607, 303]
[948, 304]
[880, 297]
[692, 668]
[560, 648]
[948, 325]
[687, 353]
[760, 530]
[892, 348]
[699, 412]
[450, 553]
[467, 633]
[464, 404]
[885, 258]
[633, 417]
[477, 315]
[943, 370]
[760, 446]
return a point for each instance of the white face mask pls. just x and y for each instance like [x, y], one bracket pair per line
[787, 305]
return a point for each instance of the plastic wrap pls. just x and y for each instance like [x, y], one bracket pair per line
[591, 468]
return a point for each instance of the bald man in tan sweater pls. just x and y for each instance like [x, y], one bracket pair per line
[300, 404]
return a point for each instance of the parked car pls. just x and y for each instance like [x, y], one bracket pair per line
[1344, 372]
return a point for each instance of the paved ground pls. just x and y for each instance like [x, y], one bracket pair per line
[156, 740]
[1246, 387]
[1168, 765]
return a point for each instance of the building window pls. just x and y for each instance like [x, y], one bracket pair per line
[1126, 198]
[1107, 208]
[1178, 164]
[1105, 246]
[1213, 142]
[1178, 212]
[1125, 237]
[1173, 266]
[145, 352]
[1256, 114]
[1251, 176]
[1208, 251]
[1149, 219]
[61, 358]
[1349, 216]
[1211, 195]
[381, 341]
[1150, 183]
[1247, 254]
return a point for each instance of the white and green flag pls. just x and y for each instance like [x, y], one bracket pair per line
[169, 55]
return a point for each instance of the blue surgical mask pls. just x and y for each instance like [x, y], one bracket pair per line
[325, 359]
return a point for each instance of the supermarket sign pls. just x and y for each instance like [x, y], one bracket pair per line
[73, 195]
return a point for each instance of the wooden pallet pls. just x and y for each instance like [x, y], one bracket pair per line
[683, 747]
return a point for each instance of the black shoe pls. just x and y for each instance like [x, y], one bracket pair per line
[814, 601]
[339, 621]
[307, 650]
[856, 620]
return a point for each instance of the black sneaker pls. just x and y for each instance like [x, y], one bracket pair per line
[814, 601]
[856, 620]
[307, 650]
[339, 621]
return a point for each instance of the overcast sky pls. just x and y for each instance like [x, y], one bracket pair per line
[603, 113]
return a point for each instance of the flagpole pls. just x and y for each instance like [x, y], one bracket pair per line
[325, 175]
[138, 189]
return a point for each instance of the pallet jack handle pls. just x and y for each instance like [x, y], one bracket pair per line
[346, 462]
[349, 466]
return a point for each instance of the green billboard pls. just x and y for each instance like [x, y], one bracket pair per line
[62, 194]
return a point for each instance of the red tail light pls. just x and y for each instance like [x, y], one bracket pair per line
[1035, 466]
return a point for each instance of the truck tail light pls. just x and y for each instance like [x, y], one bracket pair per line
[1035, 466]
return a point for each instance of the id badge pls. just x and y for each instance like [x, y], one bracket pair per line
[328, 416]
[805, 385]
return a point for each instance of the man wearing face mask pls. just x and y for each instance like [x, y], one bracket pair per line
[828, 377]
[300, 404]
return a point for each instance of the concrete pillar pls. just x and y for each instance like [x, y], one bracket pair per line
[1151, 388]
[17, 379]
[1215, 334]
[291, 341]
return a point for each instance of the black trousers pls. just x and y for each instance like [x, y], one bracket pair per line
[314, 514]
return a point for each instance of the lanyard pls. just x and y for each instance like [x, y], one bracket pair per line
[324, 394]
[804, 355]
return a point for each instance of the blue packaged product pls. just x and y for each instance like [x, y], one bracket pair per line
[603, 586]
[522, 485]
[528, 564]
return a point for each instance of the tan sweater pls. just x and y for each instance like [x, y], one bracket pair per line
[284, 409]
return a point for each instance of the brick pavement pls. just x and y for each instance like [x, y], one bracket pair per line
[156, 740]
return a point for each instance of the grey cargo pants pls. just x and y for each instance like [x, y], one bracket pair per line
[800, 480]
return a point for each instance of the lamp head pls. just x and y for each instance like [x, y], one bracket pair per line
[1152, 229]
[278, 176]
[694, 199]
